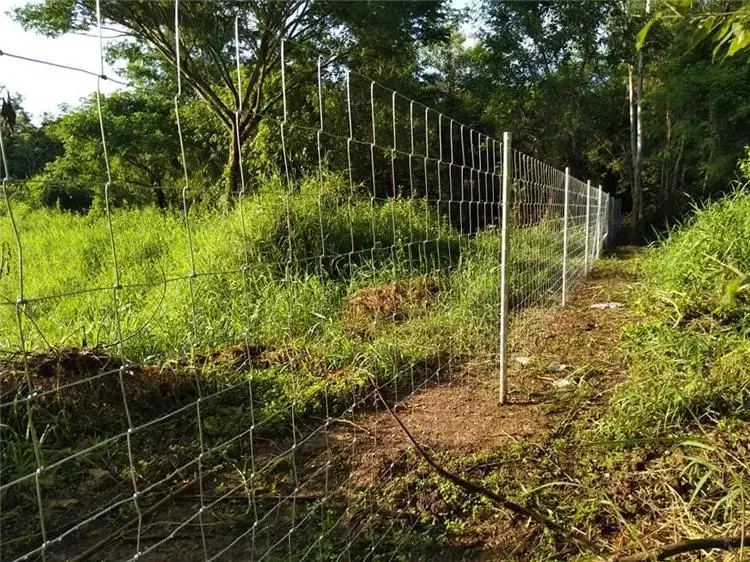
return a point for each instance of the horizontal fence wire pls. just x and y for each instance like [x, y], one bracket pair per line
[209, 381]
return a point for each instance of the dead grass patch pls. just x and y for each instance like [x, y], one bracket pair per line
[370, 308]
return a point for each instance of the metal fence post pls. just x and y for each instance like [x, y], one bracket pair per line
[507, 163]
[565, 239]
[612, 229]
[598, 223]
[608, 235]
[588, 226]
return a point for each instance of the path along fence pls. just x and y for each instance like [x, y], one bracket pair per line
[205, 384]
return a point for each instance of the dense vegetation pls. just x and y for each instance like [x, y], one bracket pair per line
[237, 257]
[568, 80]
[691, 362]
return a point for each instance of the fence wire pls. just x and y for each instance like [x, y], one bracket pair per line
[223, 402]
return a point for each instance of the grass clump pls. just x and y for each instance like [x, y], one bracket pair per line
[702, 266]
[690, 363]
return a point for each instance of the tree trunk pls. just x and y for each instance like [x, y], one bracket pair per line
[640, 222]
[161, 200]
[638, 218]
[632, 118]
[232, 170]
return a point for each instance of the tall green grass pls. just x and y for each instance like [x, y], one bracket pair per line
[278, 272]
[278, 268]
[691, 360]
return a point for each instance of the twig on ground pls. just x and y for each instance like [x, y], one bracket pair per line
[473, 488]
[670, 550]
[351, 423]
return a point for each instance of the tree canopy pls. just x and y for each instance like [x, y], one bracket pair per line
[207, 46]
[648, 96]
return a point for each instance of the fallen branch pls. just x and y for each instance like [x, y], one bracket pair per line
[473, 488]
[667, 551]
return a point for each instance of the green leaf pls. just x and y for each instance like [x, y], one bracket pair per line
[641, 37]
[705, 27]
[699, 487]
[740, 41]
[696, 444]
[680, 7]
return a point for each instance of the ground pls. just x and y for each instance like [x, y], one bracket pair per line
[357, 482]
[555, 351]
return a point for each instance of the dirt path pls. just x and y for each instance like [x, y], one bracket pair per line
[552, 350]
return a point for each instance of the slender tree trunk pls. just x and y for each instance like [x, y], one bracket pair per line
[635, 95]
[158, 183]
[638, 222]
[633, 152]
[232, 171]
[673, 184]
[161, 200]
[639, 211]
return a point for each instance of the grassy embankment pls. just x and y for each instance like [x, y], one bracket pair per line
[650, 446]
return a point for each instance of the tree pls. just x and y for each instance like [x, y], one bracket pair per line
[207, 48]
[450, 78]
[552, 73]
[27, 147]
[697, 101]
[142, 148]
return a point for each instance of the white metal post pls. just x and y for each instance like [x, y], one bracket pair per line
[565, 239]
[507, 162]
[588, 226]
[606, 243]
[598, 222]
[612, 233]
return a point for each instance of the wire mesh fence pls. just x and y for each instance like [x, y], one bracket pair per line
[207, 383]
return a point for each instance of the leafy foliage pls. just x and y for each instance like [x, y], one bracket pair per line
[724, 24]
[207, 46]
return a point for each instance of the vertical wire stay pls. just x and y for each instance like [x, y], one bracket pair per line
[192, 275]
[117, 284]
[390, 249]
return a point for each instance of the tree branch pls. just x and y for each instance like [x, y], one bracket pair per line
[670, 550]
[473, 488]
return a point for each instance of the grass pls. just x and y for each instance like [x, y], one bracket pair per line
[317, 290]
[691, 360]
[275, 273]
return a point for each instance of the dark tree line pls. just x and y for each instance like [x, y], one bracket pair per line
[654, 103]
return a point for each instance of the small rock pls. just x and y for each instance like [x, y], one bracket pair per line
[604, 305]
[556, 367]
[562, 384]
[523, 360]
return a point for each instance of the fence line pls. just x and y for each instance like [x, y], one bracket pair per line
[250, 346]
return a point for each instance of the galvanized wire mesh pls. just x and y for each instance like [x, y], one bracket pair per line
[230, 402]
